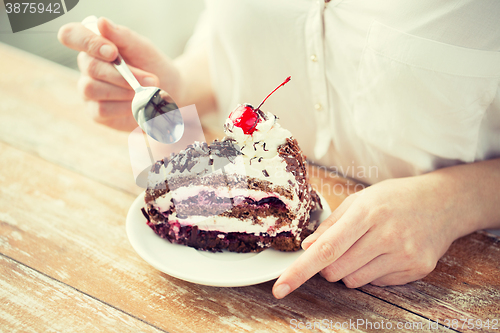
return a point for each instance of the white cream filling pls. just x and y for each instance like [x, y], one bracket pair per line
[231, 224]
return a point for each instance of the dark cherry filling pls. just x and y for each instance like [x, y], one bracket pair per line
[271, 202]
[205, 198]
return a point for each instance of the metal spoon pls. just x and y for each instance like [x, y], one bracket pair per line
[153, 109]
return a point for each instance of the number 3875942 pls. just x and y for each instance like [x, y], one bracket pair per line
[32, 8]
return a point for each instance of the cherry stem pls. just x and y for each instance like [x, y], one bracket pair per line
[284, 82]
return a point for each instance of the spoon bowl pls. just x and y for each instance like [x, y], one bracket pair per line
[154, 110]
[157, 114]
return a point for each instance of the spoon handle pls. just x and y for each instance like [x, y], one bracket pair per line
[90, 23]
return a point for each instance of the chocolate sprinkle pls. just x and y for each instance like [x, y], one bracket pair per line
[145, 214]
[264, 147]
[226, 128]
[265, 173]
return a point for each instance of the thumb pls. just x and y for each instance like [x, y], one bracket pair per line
[331, 220]
[135, 49]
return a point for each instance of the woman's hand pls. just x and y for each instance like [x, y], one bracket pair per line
[391, 233]
[106, 92]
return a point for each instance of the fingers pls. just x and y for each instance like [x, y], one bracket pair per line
[390, 269]
[332, 244]
[96, 90]
[108, 109]
[77, 37]
[117, 115]
[126, 124]
[397, 278]
[332, 219]
[378, 267]
[104, 71]
[416, 269]
[134, 48]
[360, 254]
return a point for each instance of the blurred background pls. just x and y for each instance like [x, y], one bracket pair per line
[168, 23]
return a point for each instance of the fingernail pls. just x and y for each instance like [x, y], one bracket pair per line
[106, 51]
[149, 81]
[282, 290]
[307, 242]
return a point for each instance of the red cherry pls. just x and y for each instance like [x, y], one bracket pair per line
[245, 118]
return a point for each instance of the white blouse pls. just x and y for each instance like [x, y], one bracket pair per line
[379, 89]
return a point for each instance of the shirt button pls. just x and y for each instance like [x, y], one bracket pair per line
[314, 58]
[318, 106]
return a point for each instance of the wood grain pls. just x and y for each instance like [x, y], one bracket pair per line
[71, 228]
[32, 302]
[41, 112]
[65, 188]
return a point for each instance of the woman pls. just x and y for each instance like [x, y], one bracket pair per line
[409, 91]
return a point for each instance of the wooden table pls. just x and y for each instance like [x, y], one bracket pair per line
[66, 264]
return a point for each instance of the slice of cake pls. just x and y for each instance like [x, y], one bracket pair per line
[245, 193]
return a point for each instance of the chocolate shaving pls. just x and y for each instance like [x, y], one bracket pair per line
[254, 145]
[156, 167]
[265, 173]
[264, 147]
[145, 214]
[224, 151]
[227, 128]
[260, 159]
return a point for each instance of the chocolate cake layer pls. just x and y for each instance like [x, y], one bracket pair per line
[216, 241]
[246, 210]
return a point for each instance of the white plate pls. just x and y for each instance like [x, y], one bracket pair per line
[223, 269]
